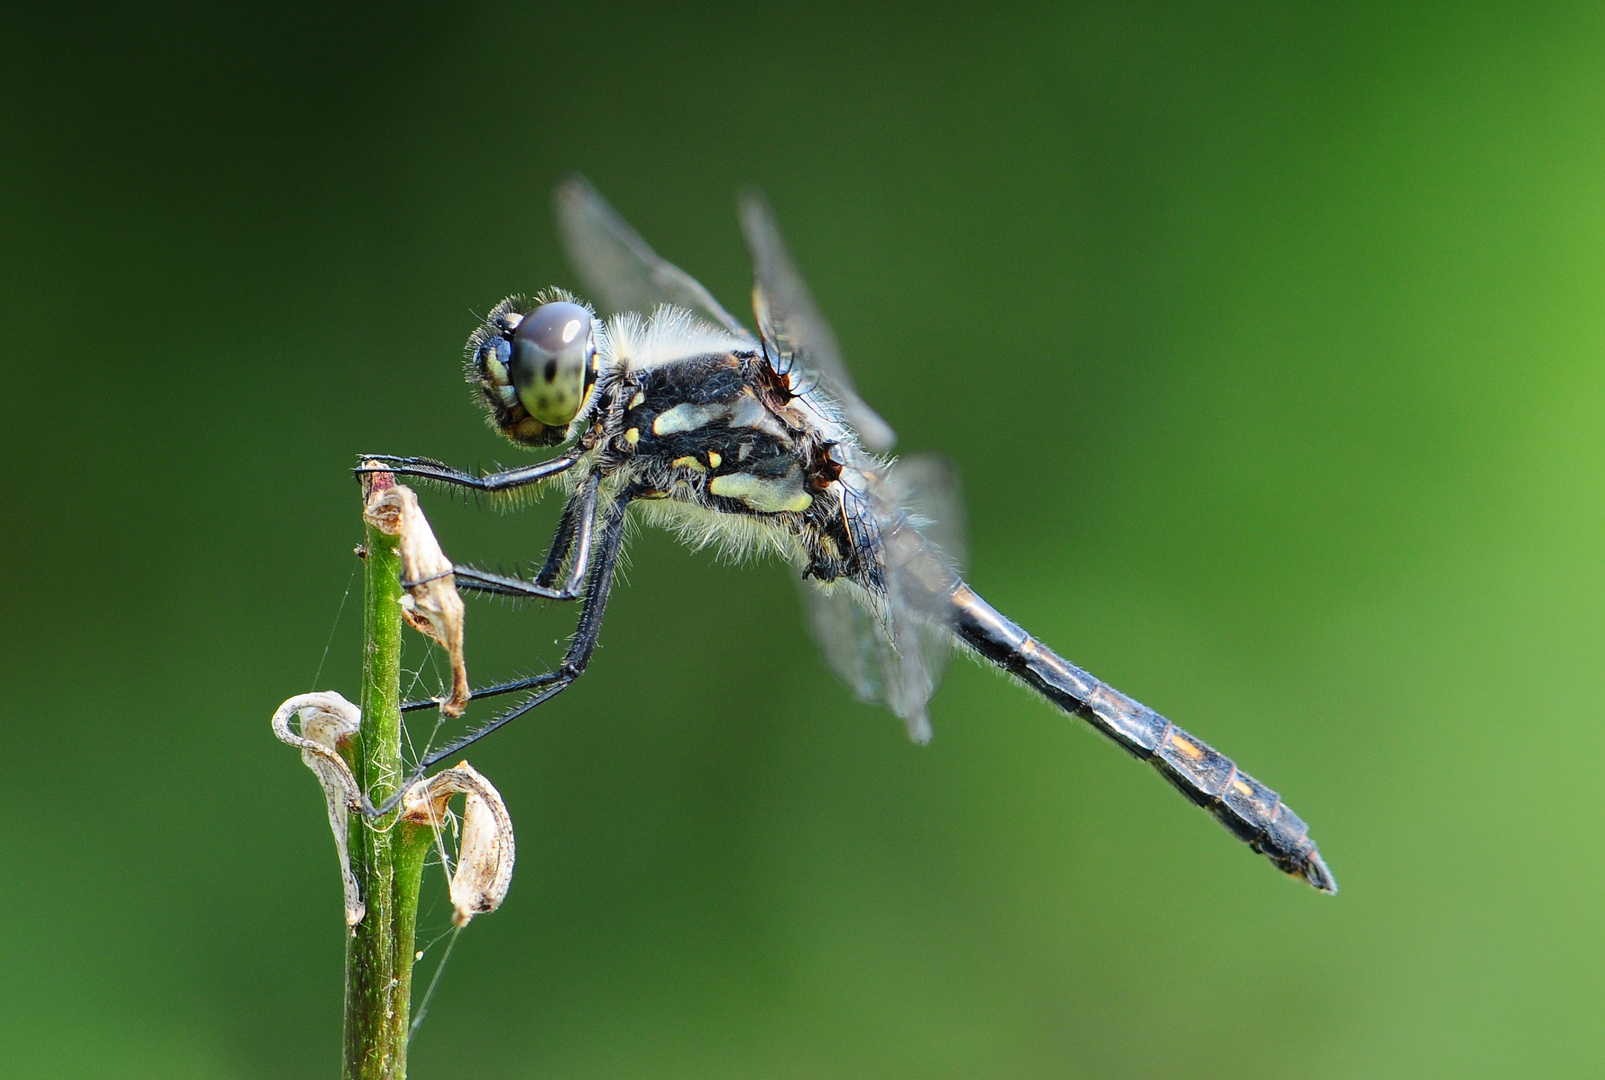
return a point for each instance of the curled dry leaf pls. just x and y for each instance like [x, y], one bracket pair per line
[431, 605]
[485, 850]
[383, 516]
[325, 720]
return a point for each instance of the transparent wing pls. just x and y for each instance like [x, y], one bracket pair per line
[922, 533]
[788, 319]
[926, 488]
[849, 637]
[617, 267]
[892, 644]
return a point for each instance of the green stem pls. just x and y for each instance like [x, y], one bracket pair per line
[386, 855]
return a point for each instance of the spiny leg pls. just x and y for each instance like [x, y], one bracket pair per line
[557, 554]
[580, 648]
[562, 544]
[512, 686]
[574, 531]
[429, 469]
[552, 683]
[581, 508]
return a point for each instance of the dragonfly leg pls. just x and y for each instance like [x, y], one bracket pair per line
[439, 472]
[512, 686]
[552, 683]
[574, 533]
[562, 544]
[580, 647]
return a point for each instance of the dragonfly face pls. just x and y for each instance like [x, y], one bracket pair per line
[535, 368]
[759, 442]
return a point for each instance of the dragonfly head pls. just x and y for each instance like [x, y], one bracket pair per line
[534, 368]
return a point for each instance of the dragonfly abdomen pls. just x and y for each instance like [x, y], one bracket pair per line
[1251, 811]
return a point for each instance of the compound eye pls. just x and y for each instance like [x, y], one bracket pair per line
[551, 350]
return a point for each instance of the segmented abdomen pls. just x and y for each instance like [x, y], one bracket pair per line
[1253, 812]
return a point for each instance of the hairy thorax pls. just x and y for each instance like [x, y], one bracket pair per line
[729, 455]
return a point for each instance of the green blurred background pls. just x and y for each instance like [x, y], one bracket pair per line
[1268, 340]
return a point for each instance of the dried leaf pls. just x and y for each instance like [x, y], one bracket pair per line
[485, 847]
[325, 720]
[432, 605]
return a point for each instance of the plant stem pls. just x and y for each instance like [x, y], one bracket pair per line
[387, 855]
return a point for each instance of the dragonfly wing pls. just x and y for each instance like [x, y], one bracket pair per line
[926, 489]
[881, 659]
[618, 267]
[893, 644]
[923, 541]
[848, 636]
[788, 319]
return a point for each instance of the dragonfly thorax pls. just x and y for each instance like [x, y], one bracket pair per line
[721, 450]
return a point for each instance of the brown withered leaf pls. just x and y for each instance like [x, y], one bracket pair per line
[485, 848]
[326, 719]
[431, 605]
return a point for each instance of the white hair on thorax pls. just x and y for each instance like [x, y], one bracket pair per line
[670, 333]
[735, 538]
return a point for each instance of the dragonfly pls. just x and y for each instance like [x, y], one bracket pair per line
[756, 441]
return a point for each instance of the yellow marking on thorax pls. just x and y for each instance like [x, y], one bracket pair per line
[688, 462]
[714, 459]
[633, 436]
[748, 411]
[764, 495]
[640, 396]
[685, 417]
